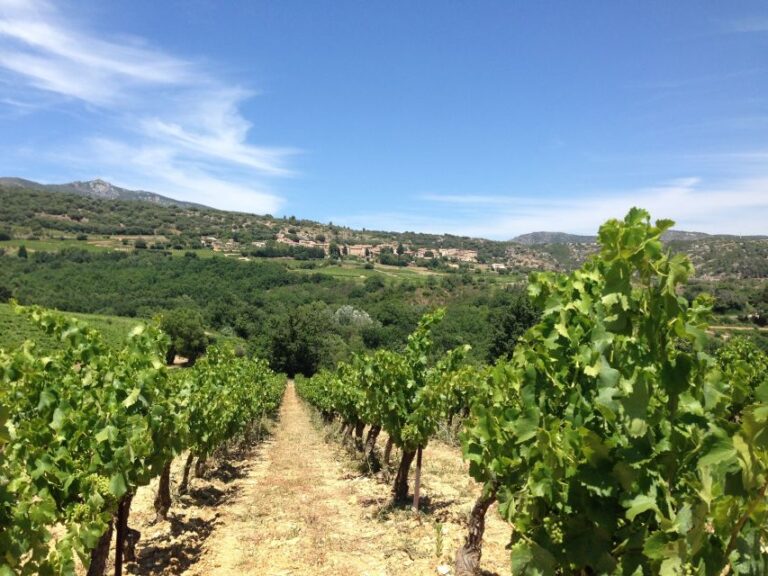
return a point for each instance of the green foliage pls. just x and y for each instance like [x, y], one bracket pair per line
[280, 250]
[300, 342]
[225, 393]
[16, 328]
[86, 424]
[248, 298]
[511, 315]
[187, 333]
[406, 393]
[610, 438]
[745, 367]
[389, 258]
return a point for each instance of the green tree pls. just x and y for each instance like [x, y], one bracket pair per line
[302, 340]
[22, 252]
[373, 283]
[512, 313]
[185, 328]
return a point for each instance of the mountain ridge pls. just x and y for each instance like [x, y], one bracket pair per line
[532, 238]
[99, 188]
[33, 211]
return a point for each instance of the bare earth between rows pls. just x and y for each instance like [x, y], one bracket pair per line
[297, 504]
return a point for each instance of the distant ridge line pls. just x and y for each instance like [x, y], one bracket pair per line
[99, 188]
[533, 238]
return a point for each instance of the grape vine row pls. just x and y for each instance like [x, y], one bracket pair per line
[83, 428]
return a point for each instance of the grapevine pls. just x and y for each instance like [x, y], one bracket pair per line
[611, 440]
[83, 428]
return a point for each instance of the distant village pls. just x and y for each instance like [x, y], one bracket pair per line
[516, 257]
[362, 251]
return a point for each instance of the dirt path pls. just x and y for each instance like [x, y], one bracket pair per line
[730, 328]
[297, 504]
[295, 513]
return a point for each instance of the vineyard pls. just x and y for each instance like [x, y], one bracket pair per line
[85, 427]
[613, 440]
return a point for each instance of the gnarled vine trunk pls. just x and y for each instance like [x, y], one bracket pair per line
[123, 511]
[417, 480]
[184, 486]
[468, 556]
[200, 466]
[388, 451]
[359, 429]
[400, 489]
[163, 497]
[369, 449]
[370, 439]
[100, 554]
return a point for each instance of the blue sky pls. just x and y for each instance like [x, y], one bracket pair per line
[480, 118]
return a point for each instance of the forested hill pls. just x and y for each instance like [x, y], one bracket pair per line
[97, 189]
[31, 210]
[553, 238]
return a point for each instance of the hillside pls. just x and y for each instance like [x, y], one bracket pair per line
[16, 328]
[96, 189]
[120, 217]
[34, 210]
[553, 238]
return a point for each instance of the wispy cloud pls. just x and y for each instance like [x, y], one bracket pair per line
[42, 47]
[735, 207]
[156, 104]
[159, 169]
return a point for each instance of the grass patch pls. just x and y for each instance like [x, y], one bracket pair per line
[50, 245]
[16, 328]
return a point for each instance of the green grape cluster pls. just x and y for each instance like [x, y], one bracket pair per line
[554, 527]
[100, 485]
[80, 512]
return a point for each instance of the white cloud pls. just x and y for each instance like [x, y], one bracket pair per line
[213, 126]
[736, 207]
[52, 55]
[154, 101]
[157, 168]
